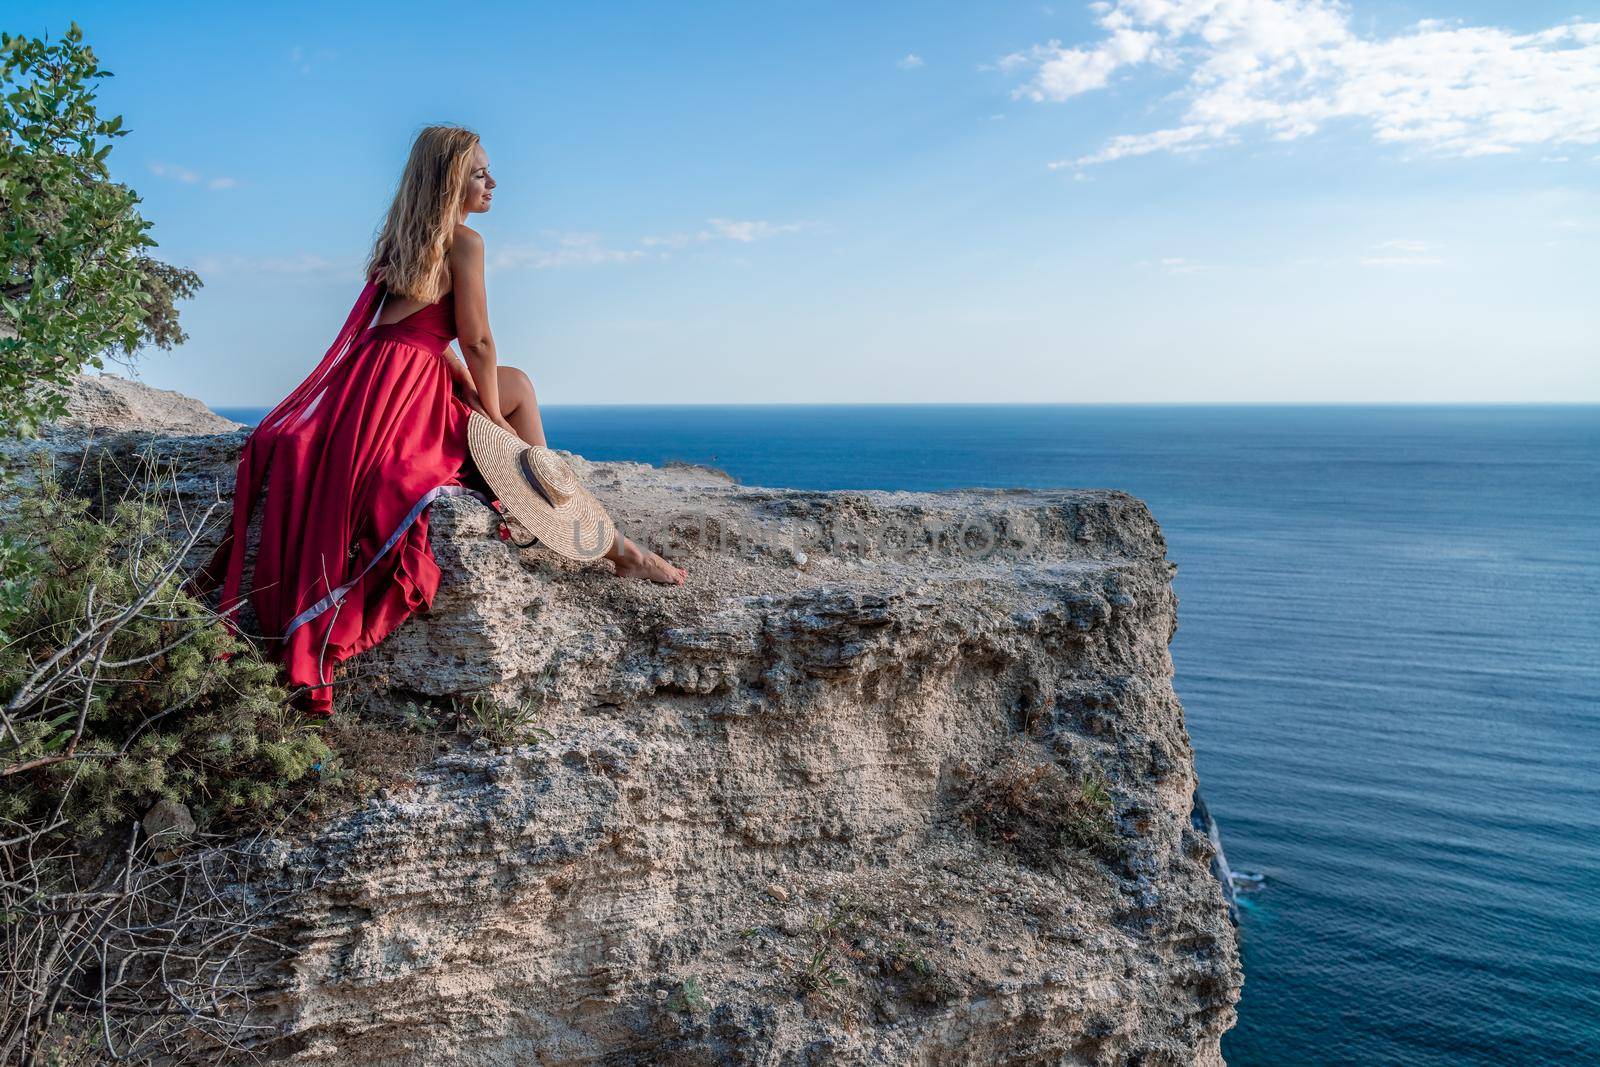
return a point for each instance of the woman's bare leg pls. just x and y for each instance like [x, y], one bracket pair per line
[519, 406]
[521, 409]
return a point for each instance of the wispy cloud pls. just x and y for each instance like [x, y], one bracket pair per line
[304, 60]
[1403, 253]
[1176, 265]
[753, 230]
[1409, 247]
[742, 231]
[304, 263]
[571, 249]
[191, 177]
[1288, 68]
[176, 173]
[910, 61]
[1402, 261]
[1179, 265]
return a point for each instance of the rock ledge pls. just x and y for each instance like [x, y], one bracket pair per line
[794, 812]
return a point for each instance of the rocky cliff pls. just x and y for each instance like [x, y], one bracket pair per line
[895, 778]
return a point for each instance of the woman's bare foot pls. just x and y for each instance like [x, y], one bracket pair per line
[631, 561]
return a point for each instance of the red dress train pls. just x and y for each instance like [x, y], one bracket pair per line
[344, 469]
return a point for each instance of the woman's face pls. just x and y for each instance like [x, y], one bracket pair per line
[479, 185]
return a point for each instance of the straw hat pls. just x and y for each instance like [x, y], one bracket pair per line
[539, 489]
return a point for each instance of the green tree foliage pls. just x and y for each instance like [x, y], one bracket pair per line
[76, 283]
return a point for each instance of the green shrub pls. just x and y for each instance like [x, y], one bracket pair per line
[150, 697]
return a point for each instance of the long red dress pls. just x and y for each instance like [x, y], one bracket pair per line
[347, 465]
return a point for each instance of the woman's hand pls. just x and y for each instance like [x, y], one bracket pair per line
[471, 398]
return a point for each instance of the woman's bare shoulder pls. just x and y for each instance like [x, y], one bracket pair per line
[466, 237]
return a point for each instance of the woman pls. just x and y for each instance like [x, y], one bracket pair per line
[379, 430]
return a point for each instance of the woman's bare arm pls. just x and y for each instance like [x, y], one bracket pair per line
[472, 319]
[458, 371]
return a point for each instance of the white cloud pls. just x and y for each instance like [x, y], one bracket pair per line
[304, 59]
[1061, 73]
[1181, 139]
[1176, 265]
[303, 263]
[674, 240]
[1402, 261]
[191, 177]
[1403, 253]
[744, 232]
[572, 249]
[182, 174]
[579, 249]
[752, 231]
[1288, 68]
[575, 249]
[910, 61]
[1402, 246]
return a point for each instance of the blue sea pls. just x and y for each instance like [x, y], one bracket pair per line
[1389, 652]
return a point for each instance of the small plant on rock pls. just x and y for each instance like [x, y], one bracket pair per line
[1031, 804]
[862, 951]
[505, 723]
[818, 975]
[688, 997]
[500, 722]
[418, 718]
[901, 956]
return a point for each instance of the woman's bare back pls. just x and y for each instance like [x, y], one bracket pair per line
[396, 308]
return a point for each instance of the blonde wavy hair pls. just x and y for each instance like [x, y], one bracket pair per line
[411, 248]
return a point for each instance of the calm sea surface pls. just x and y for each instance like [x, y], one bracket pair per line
[1390, 655]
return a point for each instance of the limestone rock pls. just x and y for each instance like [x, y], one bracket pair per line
[107, 402]
[168, 820]
[120, 433]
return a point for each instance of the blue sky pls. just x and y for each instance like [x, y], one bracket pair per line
[1145, 201]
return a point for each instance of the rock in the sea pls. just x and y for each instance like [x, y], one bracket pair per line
[950, 739]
